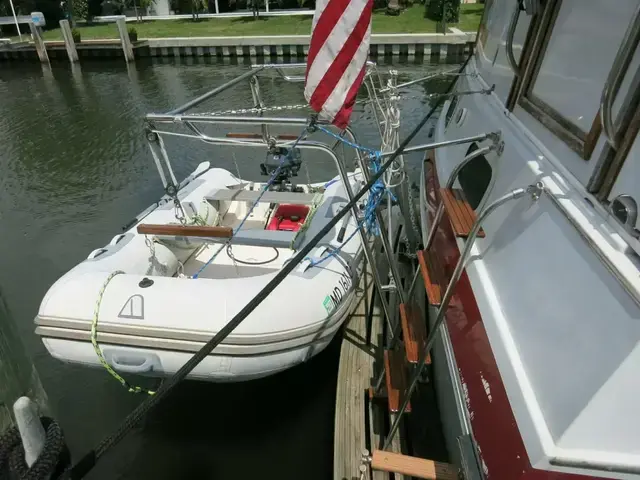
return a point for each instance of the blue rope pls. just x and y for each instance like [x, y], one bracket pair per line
[347, 142]
[376, 195]
[264, 190]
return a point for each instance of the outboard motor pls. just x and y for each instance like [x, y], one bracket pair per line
[289, 161]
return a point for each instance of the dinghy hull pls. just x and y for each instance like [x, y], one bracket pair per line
[156, 300]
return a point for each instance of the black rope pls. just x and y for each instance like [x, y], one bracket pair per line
[80, 469]
[51, 462]
[245, 262]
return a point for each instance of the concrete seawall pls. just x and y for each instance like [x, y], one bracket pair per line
[427, 48]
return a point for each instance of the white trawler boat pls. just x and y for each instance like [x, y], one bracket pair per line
[539, 362]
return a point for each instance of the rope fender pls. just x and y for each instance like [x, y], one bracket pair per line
[51, 462]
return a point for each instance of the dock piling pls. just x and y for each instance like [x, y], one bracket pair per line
[127, 48]
[31, 429]
[39, 43]
[69, 44]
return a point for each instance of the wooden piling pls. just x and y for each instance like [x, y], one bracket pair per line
[18, 375]
[69, 44]
[39, 43]
[127, 48]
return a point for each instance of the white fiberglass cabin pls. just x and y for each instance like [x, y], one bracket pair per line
[539, 363]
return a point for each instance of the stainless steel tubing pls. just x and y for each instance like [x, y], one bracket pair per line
[229, 119]
[423, 79]
[445, 143]
[214, 92]
[451, 180]
[395, 273]
[509, 40]
[616, 75]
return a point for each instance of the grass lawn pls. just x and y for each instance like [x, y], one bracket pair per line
[410, 21]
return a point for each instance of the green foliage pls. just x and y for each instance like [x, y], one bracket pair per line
[197, 6]
[450, 8]
[133, 34]
[75, 34]
[80, 9]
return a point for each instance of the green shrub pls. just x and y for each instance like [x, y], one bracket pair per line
[75, 34]
[133, 34]
[451, 10]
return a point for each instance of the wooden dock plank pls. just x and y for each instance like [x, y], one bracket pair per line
[413, 466]
[376, 413]
[354, 378]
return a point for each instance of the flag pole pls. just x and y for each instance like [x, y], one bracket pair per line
[15, 19]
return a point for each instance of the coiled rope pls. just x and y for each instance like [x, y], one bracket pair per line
[51, 462]
[98, 350]
[376, 194]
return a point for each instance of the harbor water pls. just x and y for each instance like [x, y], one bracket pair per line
[75, 168]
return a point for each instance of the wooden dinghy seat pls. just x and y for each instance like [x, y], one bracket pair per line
[260, 238]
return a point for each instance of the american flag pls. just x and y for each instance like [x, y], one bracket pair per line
[337, 57]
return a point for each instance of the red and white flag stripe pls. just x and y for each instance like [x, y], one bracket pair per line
[337, 57]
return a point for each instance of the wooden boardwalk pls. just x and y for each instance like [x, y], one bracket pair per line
[358, 423]
[357, 357]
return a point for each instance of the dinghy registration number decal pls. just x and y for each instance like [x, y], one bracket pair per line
[332, 300]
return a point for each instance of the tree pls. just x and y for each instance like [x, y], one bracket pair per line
[447, 11]
[196, 7]
[144, 6]
[79, 9]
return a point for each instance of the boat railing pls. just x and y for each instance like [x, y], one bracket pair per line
[182, 116]
[616, 75]
[534, 191]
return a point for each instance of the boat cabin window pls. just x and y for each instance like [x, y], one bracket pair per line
[475, 178]
[452, 108]
[573, 55]
[493, 60]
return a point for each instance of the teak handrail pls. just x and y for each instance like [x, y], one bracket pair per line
[185, 230]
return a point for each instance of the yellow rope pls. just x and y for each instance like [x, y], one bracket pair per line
[307, 221]
[96, 347]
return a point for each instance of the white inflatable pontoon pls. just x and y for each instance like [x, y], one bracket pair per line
[173, 293]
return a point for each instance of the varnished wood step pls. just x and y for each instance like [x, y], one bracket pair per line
[396, 379]
[414, 332]
[432, 275]
[413, 466]
[460, 213]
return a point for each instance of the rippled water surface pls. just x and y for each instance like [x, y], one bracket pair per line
[74, 168]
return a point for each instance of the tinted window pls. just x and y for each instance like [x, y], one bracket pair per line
[475, 178]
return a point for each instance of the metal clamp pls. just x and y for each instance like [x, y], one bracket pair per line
[616, 75]
[365, 460]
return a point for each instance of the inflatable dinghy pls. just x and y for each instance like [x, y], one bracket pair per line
[161, 289]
